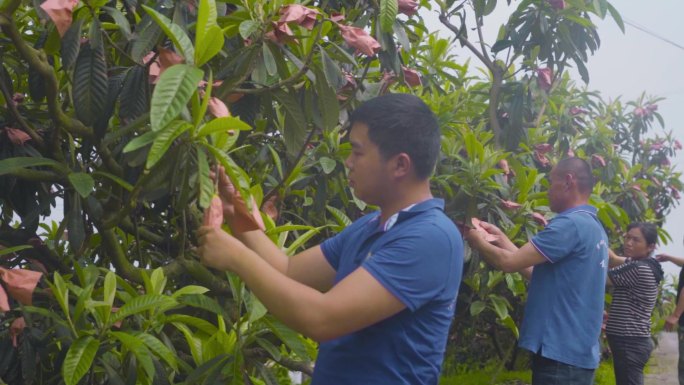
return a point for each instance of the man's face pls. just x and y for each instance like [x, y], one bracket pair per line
[557, 191]
[368, 171]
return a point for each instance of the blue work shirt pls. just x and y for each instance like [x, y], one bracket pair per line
[564, 309]
[419, 259]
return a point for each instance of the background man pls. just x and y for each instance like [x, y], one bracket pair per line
[564, 307]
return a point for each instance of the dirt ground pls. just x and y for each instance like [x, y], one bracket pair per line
[662, 368]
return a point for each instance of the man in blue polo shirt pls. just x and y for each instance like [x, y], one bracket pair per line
[567, 261]
[379, 296]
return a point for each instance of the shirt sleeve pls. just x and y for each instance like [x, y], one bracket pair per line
[333, 248]
[626, 275]
[557, 240]
[416, 267]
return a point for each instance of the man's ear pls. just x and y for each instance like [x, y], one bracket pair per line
[402, 164]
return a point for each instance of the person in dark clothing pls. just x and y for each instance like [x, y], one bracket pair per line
[675, 319]
[636, 278]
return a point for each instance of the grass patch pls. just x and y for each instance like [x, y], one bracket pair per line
[490, 376]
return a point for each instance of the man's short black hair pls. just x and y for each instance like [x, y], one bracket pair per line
[402, 123]
[581, 170]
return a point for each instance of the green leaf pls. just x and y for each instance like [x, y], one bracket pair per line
[158, 281]
[302, 240]
[287, 335]
[202, 302]
[222, 124]
[109, 290]
[206, 185]
[327, 164]
[164, 140]
[327, 101]
[134, 99]
[78, 359]
[174, 32]
[332, 71]
[198, 323]
[247, 28]
[141, 141]
[148, 34]
[295, 127]
[269, 60]
[190, 289]
[82, 183]
[388, 13]
[210, 45]
[175, 87]
[71, 44]
[14, 249]
[90, 84]
[255, 308]
[75, 224]
[10, 165]
[339, 215]
[120, 21]
[500, 305]
[142, 303]
[141, 353]
[616, 16]
[159, 349]
[476, 307]
[115, 178]
[195, 343]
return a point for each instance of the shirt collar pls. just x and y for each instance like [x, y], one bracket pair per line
[410, 211]
[588, 208]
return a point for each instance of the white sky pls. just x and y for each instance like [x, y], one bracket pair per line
[626, 65]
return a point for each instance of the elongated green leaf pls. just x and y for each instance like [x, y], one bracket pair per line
[71, 44]
[75, 223]
[190, 289]
[141, 353]
[339, 215]
[202, 302]
[327, 101]
[90, 84]
[302, 240]
[10, 165]
[115, 178]
[142, 303]
[82, 183]
[141, 141]
[14, 249]
[206, 186]
[247, 28]
[195, 343]
[198, 323]
[78, 359]
[222, 125]
[135, 94]
[174, 32]
[174, 89]
[616, 16]
[295, 130]
[109, 292]
[287, 335]
[476, 307]
[208, 35]
[269, 60]
[388, 13]
[120, 21]
[332, 71]
[148, 34]
[159, 349]
[164, 139]
[500, 305]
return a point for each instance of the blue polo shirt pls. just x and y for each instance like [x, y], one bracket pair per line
[419, 259]
[564, 309]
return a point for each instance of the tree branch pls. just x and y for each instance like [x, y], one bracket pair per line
[38, 60]
[37, 139]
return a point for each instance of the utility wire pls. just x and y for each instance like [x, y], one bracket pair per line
[643, 29]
